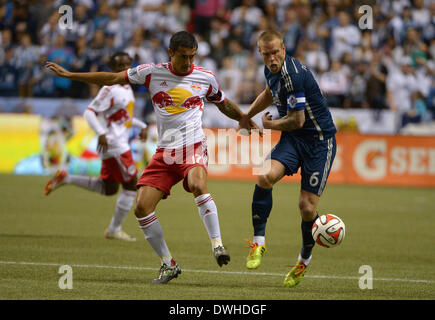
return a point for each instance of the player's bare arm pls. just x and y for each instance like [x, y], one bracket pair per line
[263, 100]
[292, 121]
[231, 110]
[100, 78]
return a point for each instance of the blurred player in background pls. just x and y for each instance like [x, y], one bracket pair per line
[307, 142]
[177, 91]
[114, 105]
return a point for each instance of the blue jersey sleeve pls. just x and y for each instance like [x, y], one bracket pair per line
[294, 82]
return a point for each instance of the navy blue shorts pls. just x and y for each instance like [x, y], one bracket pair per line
[314, 157]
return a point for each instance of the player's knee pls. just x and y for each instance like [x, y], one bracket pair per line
[142, 209]
[307, 208]
[198, 187]
[110, 188]
[265, 181]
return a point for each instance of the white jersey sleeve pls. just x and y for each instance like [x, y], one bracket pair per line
[140, 74]
[103, 100]
[214, 95]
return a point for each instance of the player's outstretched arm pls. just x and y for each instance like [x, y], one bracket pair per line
[263, 100]
[231, 110]
[292, 121]
[100, 78]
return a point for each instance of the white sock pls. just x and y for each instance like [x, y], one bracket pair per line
[304, 261]
[123, 205]
[89, 183]
[261, 240]
[208, 213]
[153, 232]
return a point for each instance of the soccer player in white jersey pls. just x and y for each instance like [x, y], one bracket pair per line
[177, 90]
[114, 107]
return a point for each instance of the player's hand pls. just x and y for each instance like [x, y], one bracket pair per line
[102, 144]
[246, 124]
[255, 127]
[267, 120]
[143, 134]
[57, 69]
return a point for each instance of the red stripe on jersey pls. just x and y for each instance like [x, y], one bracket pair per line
[210, 88]
[112, 102]
[93, 110]
[147, 80]
[203, 70]
[143, 66]
[126, 76]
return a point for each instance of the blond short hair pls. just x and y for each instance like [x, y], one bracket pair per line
[270, 35]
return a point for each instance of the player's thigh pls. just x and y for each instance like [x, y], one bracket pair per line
[287, 153]
[146, 200]
[271, 172]
[316, 165]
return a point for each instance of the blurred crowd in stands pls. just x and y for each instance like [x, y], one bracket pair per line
[390, 66]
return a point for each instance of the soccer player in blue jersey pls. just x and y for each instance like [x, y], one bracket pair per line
[307, 142]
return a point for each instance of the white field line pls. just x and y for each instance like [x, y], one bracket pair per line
[43, 264]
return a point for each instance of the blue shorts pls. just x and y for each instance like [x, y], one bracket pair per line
[314, 157]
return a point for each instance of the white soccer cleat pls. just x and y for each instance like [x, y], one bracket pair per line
[55, 182]
[119, 235]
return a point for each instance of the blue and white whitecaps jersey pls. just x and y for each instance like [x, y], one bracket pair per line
[295, 88]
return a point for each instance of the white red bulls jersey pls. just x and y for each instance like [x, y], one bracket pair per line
[177, 100]
[114, 107]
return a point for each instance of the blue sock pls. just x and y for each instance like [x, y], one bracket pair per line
[307, 238]
[261, 207]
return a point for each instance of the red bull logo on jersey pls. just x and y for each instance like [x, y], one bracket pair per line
[118, 117]
[176, 100]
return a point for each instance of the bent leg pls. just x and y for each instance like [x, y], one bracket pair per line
[123, 205]
[262, 198]
[308, 202]
[62, 178]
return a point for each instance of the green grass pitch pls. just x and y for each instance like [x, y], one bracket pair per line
[388, 229]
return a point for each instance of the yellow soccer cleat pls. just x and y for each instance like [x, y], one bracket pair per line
[256, 252]
[295, 275]
[55, 182]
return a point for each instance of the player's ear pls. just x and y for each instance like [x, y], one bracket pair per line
[170, 52]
